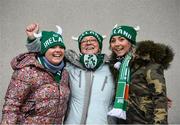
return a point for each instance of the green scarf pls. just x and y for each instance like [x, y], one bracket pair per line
[121, 99]
[91, 61]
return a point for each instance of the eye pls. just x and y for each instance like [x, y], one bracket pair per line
[52, 47]
[93, 40]
[113, 40]
[83, 41]
[61, 47]
[121, 38]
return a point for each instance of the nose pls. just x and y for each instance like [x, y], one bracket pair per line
[88, 42]
[116, 43]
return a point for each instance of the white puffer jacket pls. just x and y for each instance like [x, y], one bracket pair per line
[91, 92]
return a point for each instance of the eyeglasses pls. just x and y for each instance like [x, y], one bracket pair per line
[89, 41]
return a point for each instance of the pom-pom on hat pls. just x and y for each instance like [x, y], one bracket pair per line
[127, 32]
[50, 39]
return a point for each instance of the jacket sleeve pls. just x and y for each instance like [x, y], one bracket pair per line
[156, 81]
[34, 46]
[17, 92]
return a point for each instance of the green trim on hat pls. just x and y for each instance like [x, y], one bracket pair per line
[50, 39]
[127, 32]
[91, 33]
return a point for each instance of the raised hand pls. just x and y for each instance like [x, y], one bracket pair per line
[31, 29]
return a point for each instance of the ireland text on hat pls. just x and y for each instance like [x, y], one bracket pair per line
[52, 40]
[123, 32]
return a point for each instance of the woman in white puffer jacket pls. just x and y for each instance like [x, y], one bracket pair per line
[91, 82]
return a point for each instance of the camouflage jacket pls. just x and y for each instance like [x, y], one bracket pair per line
[33, 96]
[147, 93]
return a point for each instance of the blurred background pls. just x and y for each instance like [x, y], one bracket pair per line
[158, 19]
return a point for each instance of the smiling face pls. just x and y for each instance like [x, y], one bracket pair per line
[89, 45]
[120, 45]
[55, 55]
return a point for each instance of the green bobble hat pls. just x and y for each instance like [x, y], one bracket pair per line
[50, 39]
[91, 33]
[127, 32]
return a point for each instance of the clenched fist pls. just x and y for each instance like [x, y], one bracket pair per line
[31, 29]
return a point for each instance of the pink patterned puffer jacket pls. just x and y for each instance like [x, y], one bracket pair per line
[33, 96]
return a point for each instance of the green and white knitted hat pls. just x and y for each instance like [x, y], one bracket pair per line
[50, 39]
[91, 33]
[127, 32]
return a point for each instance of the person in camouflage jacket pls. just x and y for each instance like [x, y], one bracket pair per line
[147, 101]
[36, 94]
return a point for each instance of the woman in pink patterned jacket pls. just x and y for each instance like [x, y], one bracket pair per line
[38, 91]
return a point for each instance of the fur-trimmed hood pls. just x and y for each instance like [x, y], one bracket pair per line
[156, 52]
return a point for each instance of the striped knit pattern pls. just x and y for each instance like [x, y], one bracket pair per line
[120, 104]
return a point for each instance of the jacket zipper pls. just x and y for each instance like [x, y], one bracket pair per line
[105, 81]
[57, 109]
[80, 79]
[87, 97]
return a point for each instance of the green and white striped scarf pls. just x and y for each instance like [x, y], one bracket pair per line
[122, 91]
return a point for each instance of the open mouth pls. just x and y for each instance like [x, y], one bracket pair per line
[119, 48]
[90, 48]
[56, 55]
